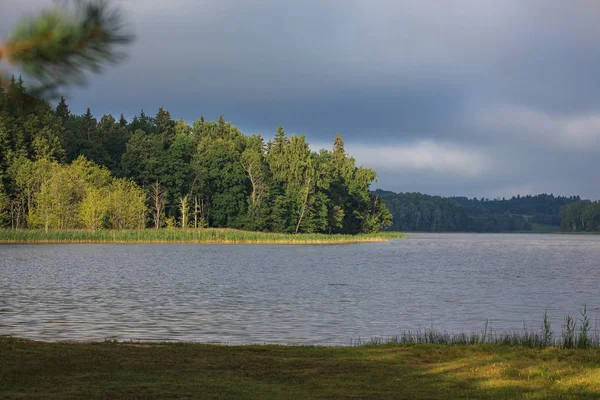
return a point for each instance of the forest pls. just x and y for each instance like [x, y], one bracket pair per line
[59, 170]
[420, 212]
[583, 216]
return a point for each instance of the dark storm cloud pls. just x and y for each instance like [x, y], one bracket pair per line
[473, 97]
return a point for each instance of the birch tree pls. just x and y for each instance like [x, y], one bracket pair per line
[158, 198]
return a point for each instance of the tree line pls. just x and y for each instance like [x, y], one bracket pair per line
[420, 212]
[582, 216]
[60, 170]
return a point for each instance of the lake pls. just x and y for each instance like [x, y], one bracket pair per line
[330, 294]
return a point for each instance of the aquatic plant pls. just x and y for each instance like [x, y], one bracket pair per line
[525, 338]
[204, 235]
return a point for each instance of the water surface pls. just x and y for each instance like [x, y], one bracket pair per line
[328, 294]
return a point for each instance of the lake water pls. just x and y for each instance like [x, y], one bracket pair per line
[296, 294]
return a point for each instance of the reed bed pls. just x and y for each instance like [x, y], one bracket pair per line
[576, 333]
[193, 236]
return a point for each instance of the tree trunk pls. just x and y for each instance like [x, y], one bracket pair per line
[195, 212]
[303, 206]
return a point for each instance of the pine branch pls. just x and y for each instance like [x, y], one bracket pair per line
[60, 45]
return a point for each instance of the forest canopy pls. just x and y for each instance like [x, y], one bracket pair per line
[59, 170]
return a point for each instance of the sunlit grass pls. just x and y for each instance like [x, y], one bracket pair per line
[207, 235]
[419, 371]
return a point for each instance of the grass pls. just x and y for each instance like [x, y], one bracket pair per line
[38, 370]
[207, 235]
[576, 333]
[543, 228]
[428, 365]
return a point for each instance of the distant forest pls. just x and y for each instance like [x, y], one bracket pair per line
[540, 213]
[583, 216]
[59, 170]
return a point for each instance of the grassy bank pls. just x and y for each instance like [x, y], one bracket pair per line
[208, 235]
[167, 371]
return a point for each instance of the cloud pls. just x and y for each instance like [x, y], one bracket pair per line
[578, 132]
[476, 97]
[422, 156]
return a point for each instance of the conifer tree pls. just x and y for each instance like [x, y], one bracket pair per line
[59, 45]
[62, 111]
[164, 126]
[122, 121]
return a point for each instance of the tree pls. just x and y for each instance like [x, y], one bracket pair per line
[29, 177]
[4, 206]
[59, 198]
[254, 163]
[142, 158]
[94, 208]
[211, 171]
[122, 121]
[62, 111]
[299, 179]
[183, 210]
[164, 126]
[182, 128]
[126, 205]
[221, 179]
[113, 137]
[581, 216]
[175, 168]
[158, 198]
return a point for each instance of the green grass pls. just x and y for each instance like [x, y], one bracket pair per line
[575, 333]
[38, 370]
[543, 228]
[208, 235]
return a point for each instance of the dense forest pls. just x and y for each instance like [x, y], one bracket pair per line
[59, 170]
[583, 216]
[419, 212]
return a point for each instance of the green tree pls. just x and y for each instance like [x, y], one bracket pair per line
[221, 178]
[113, 136]
[57, 203]
[142, 158]
[126, 205]
[176, 172]
[164, 126]
[254, 163]
[62, 111]
[94, 210]
[4, 207]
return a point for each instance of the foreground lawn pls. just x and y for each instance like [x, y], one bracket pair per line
[199, 236]
[167, 371]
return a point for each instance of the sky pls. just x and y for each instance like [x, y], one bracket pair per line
[485, 98]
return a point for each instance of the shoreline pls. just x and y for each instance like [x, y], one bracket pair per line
[185, 236]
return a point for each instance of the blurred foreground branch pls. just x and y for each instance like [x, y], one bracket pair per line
[62, 43]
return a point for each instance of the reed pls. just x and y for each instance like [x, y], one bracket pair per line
[531, 339]
[194, 236]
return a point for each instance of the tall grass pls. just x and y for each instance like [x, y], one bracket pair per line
[207, 235]
[542, 338]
